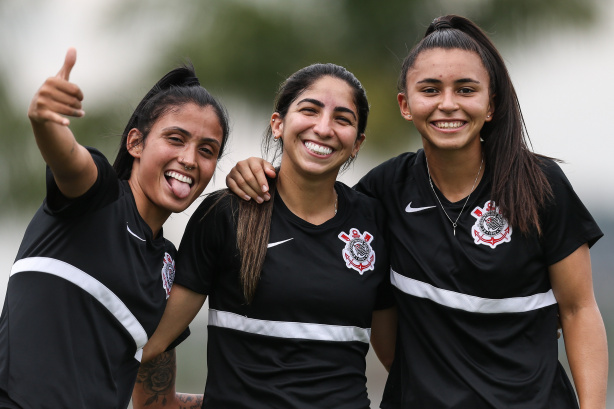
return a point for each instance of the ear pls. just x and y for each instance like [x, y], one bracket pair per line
[358, 143]
[491, 109]
[277, 125]
[134, 143]
[404, 106]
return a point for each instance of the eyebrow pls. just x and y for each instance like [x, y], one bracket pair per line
[187, 133]
[458, 81]
[321, 105]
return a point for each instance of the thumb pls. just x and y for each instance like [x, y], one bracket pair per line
[69, 62]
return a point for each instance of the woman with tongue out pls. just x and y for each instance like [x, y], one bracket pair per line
[488, 242]
[90, 282]
[296, 286]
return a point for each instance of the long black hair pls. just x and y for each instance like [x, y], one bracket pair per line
[178, 87]
[254, 220]
[519, 186]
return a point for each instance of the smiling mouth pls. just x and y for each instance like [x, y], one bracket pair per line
[448, 124]
[318, 149]
[179, 183]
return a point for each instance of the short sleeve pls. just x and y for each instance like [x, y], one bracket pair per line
[105, 190]
[207, 237]
[566, 223]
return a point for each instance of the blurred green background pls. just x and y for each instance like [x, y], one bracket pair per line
[558, 52]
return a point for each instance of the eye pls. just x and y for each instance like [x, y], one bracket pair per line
[344, 120]
[308, 111]
[429, 90]
[175, 138]
[208, 151]
[466, 90]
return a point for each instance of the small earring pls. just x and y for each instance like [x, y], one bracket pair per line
[408, 116]
[488, 116]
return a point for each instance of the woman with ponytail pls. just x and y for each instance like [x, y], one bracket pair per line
[296, 287]
[90, 281]
[489, 244]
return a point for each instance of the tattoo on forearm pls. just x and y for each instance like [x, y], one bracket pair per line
[189, 401]
[158, 377]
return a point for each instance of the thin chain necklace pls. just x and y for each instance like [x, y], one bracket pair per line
[454, 223]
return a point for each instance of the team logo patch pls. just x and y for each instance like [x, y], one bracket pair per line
[168, 273]
[491, 228]
[358, 253]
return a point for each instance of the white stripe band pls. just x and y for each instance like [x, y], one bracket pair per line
[284, 329]
[470, 303]
[89, 284]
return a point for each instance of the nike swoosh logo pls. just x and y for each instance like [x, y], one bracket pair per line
[277, 243]
[410, 209]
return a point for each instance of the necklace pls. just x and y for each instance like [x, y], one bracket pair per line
[455, 222]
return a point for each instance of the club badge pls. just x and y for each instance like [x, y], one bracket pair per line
[168, 273]
[358, 253]
[490, 228]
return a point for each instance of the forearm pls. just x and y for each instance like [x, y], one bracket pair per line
[587, 353]
[155, 386]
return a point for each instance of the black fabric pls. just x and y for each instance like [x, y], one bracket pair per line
[305, 279]
[451, 358]
[59, 346]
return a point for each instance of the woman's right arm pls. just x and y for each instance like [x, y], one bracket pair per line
[72, 165]
[182, 306]
[247, 179]
[155, 384]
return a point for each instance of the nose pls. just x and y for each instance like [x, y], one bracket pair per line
[187, 159]
[448, 101]
[323, 126]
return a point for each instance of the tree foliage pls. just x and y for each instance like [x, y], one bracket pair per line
[243, 49]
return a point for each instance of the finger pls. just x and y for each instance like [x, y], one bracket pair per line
[234, 188]
[255, 174]
[69, 63]
[238, 186]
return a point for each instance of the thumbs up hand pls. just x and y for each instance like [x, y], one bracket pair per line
[58, 97]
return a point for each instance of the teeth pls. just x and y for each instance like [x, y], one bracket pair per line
[319, 149]
[449, 125]
[179, 177]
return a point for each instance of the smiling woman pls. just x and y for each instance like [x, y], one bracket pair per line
[93, 271]
[292, 312]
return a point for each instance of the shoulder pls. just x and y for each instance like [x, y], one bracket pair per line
[395, 170]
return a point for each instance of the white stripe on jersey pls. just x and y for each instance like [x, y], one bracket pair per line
[470, 303]
[285, 329]
[94, 287]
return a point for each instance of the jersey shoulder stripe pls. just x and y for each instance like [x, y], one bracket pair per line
[90, 285]
[471, 303]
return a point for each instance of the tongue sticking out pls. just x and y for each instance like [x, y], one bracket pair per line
[180, 189]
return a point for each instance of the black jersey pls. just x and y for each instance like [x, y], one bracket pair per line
[477, 316]
[88, 286]
[302, 341]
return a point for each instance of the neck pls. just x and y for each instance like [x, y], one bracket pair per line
[455, 173]
[314, 201]
[152, 215]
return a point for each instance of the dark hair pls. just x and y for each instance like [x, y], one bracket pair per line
[299, 82]
[254, 220]
[177, 88]
[519, 186]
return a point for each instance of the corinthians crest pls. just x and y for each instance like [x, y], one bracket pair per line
[168, 273]
[358, 253]
[491, 228]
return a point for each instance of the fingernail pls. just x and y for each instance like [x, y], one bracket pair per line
[267, 197]
[246, 197]
[259, 199]
[265, 188]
